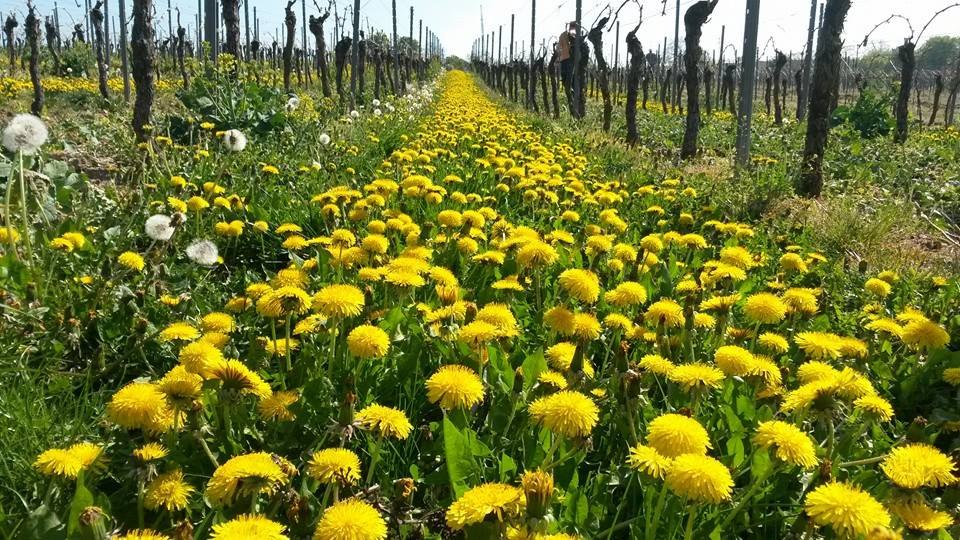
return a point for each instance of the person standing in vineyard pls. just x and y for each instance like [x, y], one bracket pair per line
[565, 55]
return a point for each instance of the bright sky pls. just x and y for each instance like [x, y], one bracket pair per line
[783, 23]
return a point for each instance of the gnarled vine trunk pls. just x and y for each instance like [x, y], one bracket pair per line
[316, 28]
[53, 42]
[231, 26]
[635, 52]
[9, 26]
[603, 71]
[778, 65]
[340, 62]
[142, 63]
[907, 67]
[552, 68]
[825, 73]
[693, 21]
[33, 41]
[290, 21]
[96, 17]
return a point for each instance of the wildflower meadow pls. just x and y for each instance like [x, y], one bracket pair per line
[436, 313]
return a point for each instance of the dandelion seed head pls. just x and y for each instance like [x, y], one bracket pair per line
[25, 133]
[203, 252]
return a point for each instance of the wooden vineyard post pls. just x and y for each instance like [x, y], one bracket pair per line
[355, 56]
[747, 82]
[124, 58]
[804, 90]
[290, 23]
[531, 77]
[579, 67]
[396, 53]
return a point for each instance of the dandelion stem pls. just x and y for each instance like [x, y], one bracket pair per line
[141, 493]
[7, 218]
[865, 461]
[620, 506]
[744, 499]
[205, 448]
[661, 501]
[288, 365]
[26, 220]
[688, 535]
[374, 459]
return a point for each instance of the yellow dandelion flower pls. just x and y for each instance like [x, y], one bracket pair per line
[774, 343]
[847, 509]
[234, 376]
[567, 413]
[287, 300]
[334, 465]
[140, 405]
[245, 476]
[352, 519]
[626, 294]
[674, 434]
[150, 452]
[665, 312]
[385, 421]
[790, 444]
[918, 516]
[276, 407]
[917, 465]
[925, 334]
[581, 284]
[247, 526]
[179, 331]
[765, 308]
[877, 287]
[455, 386]
[647, 460]
[131, 260]
[734, 360]
[699, 478]
[368, 341]
[168, 491]
[198, 356]
[818, 345]
[339, 301]
[500, 502]
[696, 376]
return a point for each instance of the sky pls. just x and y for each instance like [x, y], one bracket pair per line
[783, 23]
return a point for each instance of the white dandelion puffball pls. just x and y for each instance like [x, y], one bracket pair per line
[203, 252]
[293, 103]
[376, 103]
[234, 140]
[377, 112]
[158, 227]
[390, 107]
[25, 133]
[354, 114]
[324, 139]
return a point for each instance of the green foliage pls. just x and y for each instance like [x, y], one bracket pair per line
[938, 52]
[870, 115]
[77, 61]
[228, 101]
